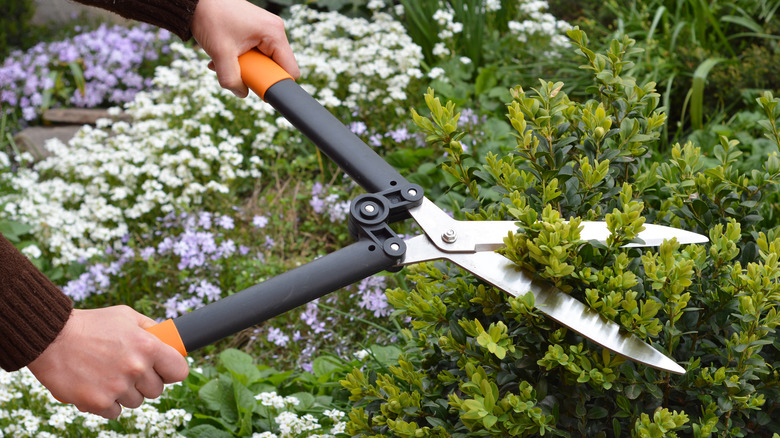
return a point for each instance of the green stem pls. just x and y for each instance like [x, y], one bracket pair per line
[357, 318]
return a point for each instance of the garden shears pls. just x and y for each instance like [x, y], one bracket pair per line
[471, 245]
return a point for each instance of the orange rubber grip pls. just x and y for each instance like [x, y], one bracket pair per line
[167, 332]
[260, 72]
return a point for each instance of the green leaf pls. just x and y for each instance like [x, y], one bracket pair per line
[206, 431]
[218, 396]
[697, 91]
[240, 365]
[325, 365]
[386, 355]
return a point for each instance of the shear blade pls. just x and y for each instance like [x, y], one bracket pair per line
[502, 273]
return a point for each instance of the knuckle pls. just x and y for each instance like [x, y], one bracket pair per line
[134, 368]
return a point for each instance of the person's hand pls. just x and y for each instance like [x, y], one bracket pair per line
[226, 29]
[104, 359]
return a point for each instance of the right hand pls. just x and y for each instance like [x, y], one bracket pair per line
[226, 29]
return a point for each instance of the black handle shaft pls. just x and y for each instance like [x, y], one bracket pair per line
[282, 293]
[334, 139]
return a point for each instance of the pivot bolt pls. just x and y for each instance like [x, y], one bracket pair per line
[449, 236]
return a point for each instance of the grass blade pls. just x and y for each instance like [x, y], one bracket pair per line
[697, 90]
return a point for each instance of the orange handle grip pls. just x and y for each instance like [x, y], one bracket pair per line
[167, 332]
[260, 72]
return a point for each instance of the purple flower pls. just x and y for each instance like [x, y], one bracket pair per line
[204, 220]
[147, 252]
[260, 221]
[226, 249]
[205, 290]
[338, 211]
[269, 242]
[226, 222]
[372, 296]
[358, 128]
[316, 188]
[309, 317]
[243, 250]
[277, 337]
[80, 288]
[399, 135]
[375, 140]
[317, 204]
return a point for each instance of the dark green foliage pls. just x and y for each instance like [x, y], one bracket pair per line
[15, 24]
[480, 363]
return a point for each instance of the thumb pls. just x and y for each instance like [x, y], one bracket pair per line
[144, 321]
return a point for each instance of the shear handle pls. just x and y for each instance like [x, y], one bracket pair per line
[334, 139]
[273, 297]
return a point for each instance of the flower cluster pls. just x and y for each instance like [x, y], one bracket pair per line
[363, 65]
[191, 142]
[27, 409]
[198, 244]
[371, 294]
[323, 202]
[290, 424]
[110, 59]
[540, 24]
[529, 25]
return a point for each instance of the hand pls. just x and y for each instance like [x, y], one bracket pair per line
[104, 359]
[226, 29]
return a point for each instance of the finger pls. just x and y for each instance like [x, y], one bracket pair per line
[229, 74]
[170, 365]
[131, 399]
[110, 413]
[150, 385]
[286, 60]
[144, 321]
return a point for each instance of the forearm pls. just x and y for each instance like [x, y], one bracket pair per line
[32, 309]
[174, 15]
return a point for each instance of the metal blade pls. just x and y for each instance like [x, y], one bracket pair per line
[502, 273]
[652, 235]
[469, 236]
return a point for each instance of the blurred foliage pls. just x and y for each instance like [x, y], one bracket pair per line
[15, 24]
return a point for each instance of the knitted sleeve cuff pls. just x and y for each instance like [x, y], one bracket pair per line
[174, 15]
[33, 310]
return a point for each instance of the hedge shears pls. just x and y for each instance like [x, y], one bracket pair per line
[389, 198]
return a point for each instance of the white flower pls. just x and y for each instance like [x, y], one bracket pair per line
[436, 72]
[492, 5]
[32, 251]
[333, 414]
[361, 354]
[440, 49]
[375, 4]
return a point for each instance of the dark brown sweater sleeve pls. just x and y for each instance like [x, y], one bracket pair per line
[174, 15]
[33, 310]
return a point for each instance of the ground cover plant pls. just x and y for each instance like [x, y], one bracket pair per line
[105, 66]
[201, 195]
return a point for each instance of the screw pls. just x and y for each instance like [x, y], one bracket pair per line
[395, 246]
[369, 208]
[449, 236]
[412, 192]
